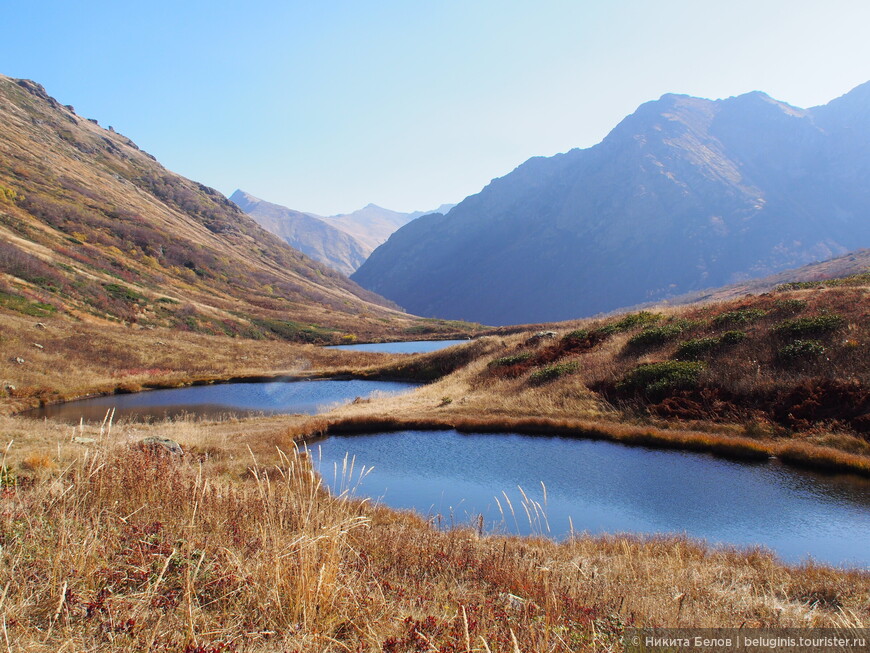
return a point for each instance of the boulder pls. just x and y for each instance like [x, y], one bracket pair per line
[157, 443]
[541, 336]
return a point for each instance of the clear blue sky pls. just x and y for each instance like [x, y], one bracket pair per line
[327, 105]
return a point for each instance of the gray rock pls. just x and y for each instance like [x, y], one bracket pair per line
[540, 336]
[155, 442]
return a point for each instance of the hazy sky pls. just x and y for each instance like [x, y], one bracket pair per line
[325, 106]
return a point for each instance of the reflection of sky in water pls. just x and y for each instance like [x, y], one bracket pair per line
[307, 397]
[416, 347]
[605, 487]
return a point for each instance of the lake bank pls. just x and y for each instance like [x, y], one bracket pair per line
[244, 514]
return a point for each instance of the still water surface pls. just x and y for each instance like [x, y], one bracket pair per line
[408, 347]
[278, 397]
[605, 487]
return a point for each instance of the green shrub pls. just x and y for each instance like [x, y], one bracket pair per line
[117, 291]
[421, 329]
[507, 361]
[8, 195]
[732, 337]
[697, 347]
[578, 334]
[790, 305]
[658, 379]
[554, 371]
[295, 331]
[658, 335]
[24, 305]
[740, 316]
[799, 285]
[800, 350]
[629, 322]
[858, 279]
[7, 477]
[809, 326]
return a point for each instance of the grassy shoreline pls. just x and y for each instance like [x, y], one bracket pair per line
[803, 455]
[237, 547]
[798, 454]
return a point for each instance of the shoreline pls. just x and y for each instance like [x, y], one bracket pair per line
[800, 455]
[797, 454]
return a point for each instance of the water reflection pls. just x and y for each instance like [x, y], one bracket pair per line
[599, 487]
[277, 397]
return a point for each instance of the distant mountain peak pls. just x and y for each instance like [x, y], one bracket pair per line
[309, 234]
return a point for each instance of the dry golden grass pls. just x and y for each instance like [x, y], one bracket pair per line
[106, 547]
[229, 549]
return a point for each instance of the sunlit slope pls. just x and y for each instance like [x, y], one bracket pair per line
[93, 227]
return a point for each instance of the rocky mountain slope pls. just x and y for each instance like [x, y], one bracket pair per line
[309, 234]
[684, 194]
[94, 228]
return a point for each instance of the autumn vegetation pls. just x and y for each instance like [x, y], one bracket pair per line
[236, 546]
[117, 276]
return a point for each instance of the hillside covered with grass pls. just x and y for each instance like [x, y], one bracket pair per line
[93, 228]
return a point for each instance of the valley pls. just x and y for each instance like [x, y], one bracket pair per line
[121, 277]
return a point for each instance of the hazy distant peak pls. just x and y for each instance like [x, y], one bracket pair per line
[762, 101]
[672, 98]
[858, 95]
[309, 234]
[239, 195]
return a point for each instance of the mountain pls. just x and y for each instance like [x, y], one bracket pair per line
[372, 224]
[96, 229]
[343, 242]
[307, 233]
[684, 194]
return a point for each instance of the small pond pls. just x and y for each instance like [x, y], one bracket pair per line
[270, 398]
[408, 347]
[599, 487]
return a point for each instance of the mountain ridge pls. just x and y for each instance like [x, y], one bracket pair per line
[309, 234]
[683, 194]
[341, 241]
[93, 227]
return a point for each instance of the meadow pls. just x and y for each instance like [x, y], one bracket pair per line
[236, 545]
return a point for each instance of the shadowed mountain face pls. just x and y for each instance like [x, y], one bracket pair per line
[307, 233]
[92, 226]
[684, 194]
